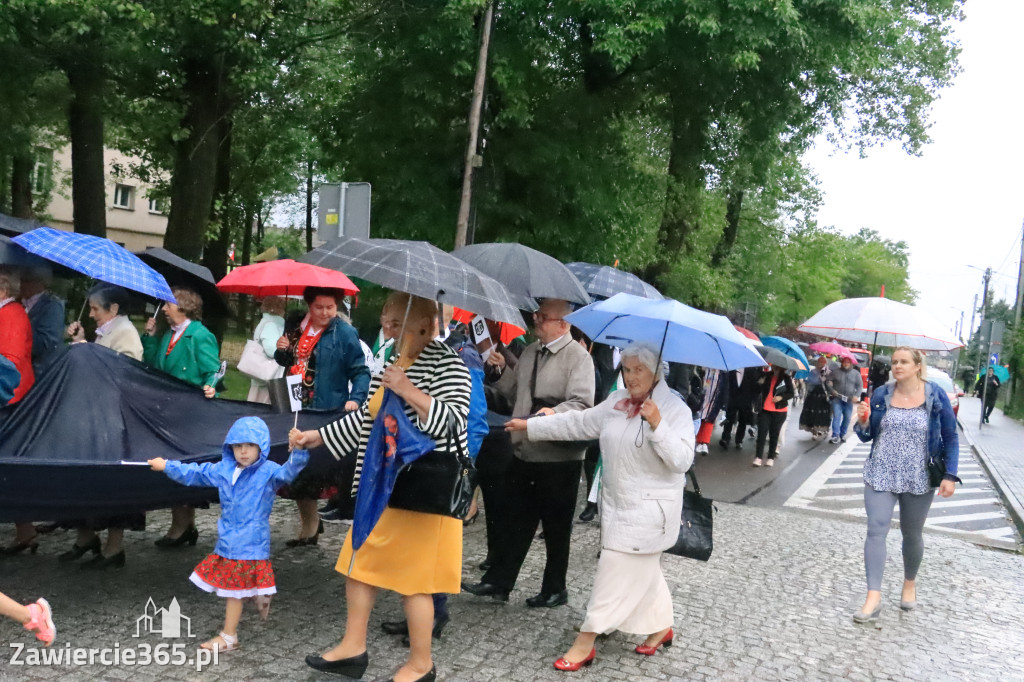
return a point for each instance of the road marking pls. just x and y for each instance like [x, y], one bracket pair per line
[836, 488]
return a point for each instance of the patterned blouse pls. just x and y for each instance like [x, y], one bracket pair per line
[439, 373]
[898, 462]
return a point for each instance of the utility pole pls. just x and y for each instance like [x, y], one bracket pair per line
[1016, 313]
[462, 225]
[985, 342]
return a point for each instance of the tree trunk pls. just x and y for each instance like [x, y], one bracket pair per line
[732, 227]
[21, 185]
[195, 159]
[248, 225]
[309, 205]
[216, 256]
[85, 123]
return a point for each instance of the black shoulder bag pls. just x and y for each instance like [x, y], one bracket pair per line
[439, 482]
[695, 541]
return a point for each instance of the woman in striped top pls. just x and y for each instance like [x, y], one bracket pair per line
[411, 553]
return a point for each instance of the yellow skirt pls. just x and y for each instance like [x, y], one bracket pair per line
[408, 553]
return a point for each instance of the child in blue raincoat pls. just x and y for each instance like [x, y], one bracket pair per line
[239, 567]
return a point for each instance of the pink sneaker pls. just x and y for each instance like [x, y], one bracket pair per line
[42, 621]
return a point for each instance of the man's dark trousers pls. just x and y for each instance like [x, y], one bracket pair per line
[538, 492]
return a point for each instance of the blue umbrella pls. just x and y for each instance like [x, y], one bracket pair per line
[790, 349]
[9, 380]
[394, 442]
[98, 258]
[683, 334]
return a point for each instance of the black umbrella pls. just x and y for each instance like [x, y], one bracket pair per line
[180, 272]
[603, 281]
[12, 227]
[527, 273]
[421, 269]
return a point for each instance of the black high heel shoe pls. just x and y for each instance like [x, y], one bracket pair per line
[429, 677]
[77, 551]
[353, 667]
[101, 563]
[191, 536]
[469, 521]
[18, 547]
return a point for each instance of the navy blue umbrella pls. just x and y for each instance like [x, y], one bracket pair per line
[98, 258]
[394, 442]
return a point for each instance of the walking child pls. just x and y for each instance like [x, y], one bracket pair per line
[35, 616]
[239, 567]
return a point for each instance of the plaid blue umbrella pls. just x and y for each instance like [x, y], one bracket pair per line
[603, 281]
[98, 258]
[394, 442]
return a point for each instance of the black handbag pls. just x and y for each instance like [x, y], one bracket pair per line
[936, 471]
[695, 525]
[440, 482]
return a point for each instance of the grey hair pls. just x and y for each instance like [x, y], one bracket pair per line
[647, 355]
[10, 282]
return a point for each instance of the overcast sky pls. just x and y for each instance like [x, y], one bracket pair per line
[961, 202]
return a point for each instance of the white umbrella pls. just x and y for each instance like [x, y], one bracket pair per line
[880, 322]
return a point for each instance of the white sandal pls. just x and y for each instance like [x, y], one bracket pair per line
[230, 643]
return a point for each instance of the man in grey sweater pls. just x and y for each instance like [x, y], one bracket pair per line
[844, 386]
[554, 374]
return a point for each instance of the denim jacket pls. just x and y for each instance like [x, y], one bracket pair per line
[943, 441]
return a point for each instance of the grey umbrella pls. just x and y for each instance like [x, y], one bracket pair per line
[12, 254]
[421, 269]
[779, 359]
[603, 281]
[527, 273]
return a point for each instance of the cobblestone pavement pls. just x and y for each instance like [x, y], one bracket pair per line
[1000, 446]
[974, 513]
[774, 603]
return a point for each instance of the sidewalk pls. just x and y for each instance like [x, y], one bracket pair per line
[1000, 447]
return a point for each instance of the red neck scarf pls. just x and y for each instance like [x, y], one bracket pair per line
[631, 406]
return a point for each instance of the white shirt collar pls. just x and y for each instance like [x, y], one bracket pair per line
[179, 328]
[105, 328]
[5, 301]
[31, 301]
[557, 344]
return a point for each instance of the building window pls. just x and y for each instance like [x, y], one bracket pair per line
[43, 171]
[124, 196]
[157, 206]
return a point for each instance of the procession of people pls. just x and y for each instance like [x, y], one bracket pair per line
[636, 413]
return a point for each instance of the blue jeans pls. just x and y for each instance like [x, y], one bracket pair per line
[841, 414]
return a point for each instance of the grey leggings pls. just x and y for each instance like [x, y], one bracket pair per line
[913, 512]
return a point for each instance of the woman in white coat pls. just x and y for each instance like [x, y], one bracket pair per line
[647, 441]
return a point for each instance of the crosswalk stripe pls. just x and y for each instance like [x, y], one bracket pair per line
[946, 504]
[961, 518]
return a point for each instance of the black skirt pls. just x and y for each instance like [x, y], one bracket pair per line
[817, 412]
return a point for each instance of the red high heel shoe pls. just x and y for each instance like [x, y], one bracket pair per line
[651, 650]
[568, 666]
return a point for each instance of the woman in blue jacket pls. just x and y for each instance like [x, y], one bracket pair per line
[239, 567]
[324, 349]
[908, 422]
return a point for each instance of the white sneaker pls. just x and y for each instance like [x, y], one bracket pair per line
[834, 440]
[757, 461]
[770, 463]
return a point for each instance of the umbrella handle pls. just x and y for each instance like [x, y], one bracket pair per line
[157, 311]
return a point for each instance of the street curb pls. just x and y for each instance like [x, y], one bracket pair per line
[1012, 506]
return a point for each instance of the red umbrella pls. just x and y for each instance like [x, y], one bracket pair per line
[509, 331]
[830, 348]
[282, 278]
[747, 333]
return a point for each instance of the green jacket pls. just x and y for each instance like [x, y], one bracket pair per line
[195, 358]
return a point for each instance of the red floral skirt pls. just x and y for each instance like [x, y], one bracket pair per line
[238, 578]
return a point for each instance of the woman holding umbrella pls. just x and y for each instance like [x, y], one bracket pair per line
[187, 351]
[816, 415]
[108, 307]
[412, 553]
[325, 351]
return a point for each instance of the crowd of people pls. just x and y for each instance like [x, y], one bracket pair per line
[559, 407]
